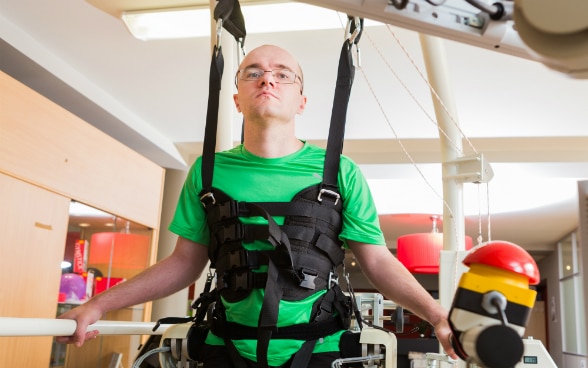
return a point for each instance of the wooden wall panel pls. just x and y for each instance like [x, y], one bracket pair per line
[45, 144]
[48, 150]
[32, 242]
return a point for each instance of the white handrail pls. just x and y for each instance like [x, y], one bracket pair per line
[12, 326]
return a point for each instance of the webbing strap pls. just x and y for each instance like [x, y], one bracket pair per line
[345, 75]
[282, 255]
[214, 85]
[302, 356]
[268, 316]
[303, 331]
[229, 13]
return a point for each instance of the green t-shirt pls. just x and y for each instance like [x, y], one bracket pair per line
[246, 177]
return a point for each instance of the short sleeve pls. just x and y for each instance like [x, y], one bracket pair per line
[360, 216]
[189, 219]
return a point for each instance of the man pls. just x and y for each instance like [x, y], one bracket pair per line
[272, 165]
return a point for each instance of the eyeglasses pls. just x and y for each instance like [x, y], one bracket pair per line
[284, 76]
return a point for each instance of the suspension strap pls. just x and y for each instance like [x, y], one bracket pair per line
[345, 75]
[228, 15]
[216, 73]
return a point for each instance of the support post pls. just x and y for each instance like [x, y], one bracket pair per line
[451, 149]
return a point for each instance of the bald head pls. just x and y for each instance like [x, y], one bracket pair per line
[277, 57]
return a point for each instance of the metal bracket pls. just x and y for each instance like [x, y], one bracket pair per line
[470, 169]
[433, 358]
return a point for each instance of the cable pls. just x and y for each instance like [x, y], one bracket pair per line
[495, 10]
[435, 94]
[488, 211]
[436, 3]
[140, 360]
[408, 155]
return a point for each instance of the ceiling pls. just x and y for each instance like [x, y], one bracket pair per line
[530, 122]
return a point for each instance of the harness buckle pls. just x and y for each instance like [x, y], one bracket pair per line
[333, 279]
[228, 210]
[332, 193]
[231, 232]
[237, 258]
[207, 199]
[308, 280]
[235, 280]
[242, 280]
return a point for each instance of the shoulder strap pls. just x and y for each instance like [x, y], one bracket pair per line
[216, 74]
[345, 75]
[228, 14]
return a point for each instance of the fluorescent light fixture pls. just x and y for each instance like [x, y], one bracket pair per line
[168, 24]
[259, 18]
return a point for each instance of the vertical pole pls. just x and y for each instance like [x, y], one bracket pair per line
[451, 148]
[582, 249]
[175, 305]
[450, 268]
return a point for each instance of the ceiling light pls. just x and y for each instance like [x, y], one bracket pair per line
[420, 252]
[166, 24]
[260, 18]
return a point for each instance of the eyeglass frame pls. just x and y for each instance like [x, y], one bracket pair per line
[269, 71]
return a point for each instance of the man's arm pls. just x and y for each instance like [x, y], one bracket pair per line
[177, 271]
[394, 281]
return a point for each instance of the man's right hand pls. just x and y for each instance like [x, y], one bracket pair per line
[84, 315]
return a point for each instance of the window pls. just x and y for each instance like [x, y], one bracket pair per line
[572, 297]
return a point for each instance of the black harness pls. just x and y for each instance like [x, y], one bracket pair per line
[306, 250]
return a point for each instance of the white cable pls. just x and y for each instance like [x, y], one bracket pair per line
[488, 210]
[140, 360]
[434, 93]
[480, 238]
[408, 155]
[451, 117]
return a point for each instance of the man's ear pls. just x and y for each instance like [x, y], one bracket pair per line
[236, 100]
[302, 105]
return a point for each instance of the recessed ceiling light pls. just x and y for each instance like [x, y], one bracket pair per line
[259, 18]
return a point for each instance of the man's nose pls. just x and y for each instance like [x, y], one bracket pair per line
[267, 78]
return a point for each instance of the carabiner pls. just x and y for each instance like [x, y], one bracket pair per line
[353, 33]
[353, 29]
[219, 29]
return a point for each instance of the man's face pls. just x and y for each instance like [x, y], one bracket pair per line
[268, 95]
